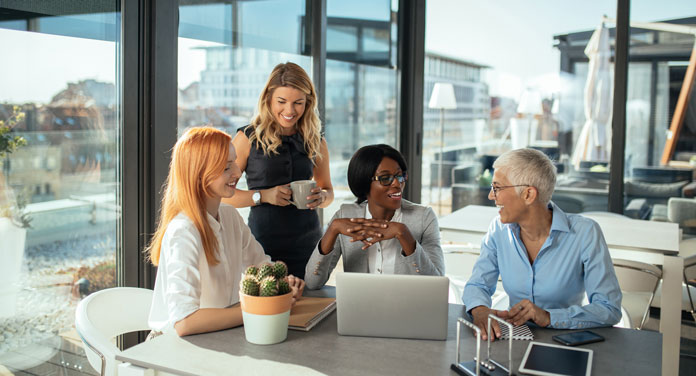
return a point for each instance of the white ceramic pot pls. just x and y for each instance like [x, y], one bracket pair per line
[266, 318]
[11, 254]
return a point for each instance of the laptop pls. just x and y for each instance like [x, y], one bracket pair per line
[395, 306]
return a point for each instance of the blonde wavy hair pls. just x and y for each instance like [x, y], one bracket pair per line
[199, 157]
[266, 132]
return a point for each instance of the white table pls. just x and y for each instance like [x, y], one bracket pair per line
[322, 351]
[646, 241]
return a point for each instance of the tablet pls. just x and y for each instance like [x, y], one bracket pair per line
[554, 360]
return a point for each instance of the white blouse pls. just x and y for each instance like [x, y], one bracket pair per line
[381, 256]
[185, 282]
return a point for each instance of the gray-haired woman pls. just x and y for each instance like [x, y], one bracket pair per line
[548, 259]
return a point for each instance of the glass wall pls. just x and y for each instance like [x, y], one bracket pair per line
[549, 87]
[226, 54]
[60, 179]
[659, 184]
[362, 84]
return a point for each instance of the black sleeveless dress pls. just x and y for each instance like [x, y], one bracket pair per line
[285, 232]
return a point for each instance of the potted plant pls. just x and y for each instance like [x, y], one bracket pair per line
[13, 219]
[266, 299]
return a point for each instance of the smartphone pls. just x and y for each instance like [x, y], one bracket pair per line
[578, 338]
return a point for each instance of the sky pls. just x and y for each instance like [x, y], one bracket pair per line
[513, 37]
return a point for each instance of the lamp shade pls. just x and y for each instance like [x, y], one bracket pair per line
[443, 97]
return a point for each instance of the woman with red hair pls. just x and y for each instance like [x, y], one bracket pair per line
[201, 247]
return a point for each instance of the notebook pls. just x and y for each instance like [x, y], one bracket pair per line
[521, 332]
[309, 311]
[395, 306]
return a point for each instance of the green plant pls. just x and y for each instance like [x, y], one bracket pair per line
[267, 279]
[9, 206]
[250, 285]
[485, 179]
[8, 141]
[283, 286]
[280, 270]
[251, 271]
[268, 287]
[265, 270]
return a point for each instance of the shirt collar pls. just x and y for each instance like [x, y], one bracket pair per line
[395, 218]
[214, 224]
[559, 221]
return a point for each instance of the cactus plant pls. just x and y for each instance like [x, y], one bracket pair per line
[268, 287]
[251, 271]
[249, 286]
[283, 286]
[280, 270]
[265, 270]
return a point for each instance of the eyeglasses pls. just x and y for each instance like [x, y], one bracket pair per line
[386, 180]
[498, 188]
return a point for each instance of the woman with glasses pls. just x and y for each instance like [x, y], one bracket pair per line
[381, 232]
[548, 260]
[283, 144]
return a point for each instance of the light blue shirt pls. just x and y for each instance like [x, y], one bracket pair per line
[573, 260]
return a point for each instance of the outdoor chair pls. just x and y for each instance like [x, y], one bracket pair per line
[105, 314]
[683, 211]
[638, 282]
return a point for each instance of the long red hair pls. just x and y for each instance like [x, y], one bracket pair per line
[199, 157]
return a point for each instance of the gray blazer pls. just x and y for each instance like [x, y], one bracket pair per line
[426, 260]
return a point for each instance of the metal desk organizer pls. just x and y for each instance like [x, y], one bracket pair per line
[489, 366]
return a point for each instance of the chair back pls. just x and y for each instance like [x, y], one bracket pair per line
[105, 314]
[638, 282]
[635, 276]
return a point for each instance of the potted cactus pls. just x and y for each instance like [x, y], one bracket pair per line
[266, 299]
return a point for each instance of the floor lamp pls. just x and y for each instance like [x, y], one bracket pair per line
[530, 104]
[443, 99]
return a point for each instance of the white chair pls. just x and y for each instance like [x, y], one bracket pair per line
[638, 282]
[687, 250]
[105, 314]
[459, 263]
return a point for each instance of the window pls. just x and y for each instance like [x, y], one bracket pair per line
[362, 85]
[654, 178]
[61, 94]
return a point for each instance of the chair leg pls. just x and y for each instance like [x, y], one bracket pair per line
[647, 309]
[688, 293]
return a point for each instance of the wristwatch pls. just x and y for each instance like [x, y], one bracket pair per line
[256, 196]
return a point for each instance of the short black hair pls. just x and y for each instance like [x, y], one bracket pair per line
[363, 165]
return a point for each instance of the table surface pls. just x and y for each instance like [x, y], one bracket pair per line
[625, 351]
[626, 233]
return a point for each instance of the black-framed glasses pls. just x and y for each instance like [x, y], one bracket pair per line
[387, 179]
[498, 188]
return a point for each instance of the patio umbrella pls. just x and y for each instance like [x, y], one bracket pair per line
[593, 142]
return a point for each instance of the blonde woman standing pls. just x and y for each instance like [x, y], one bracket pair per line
[282, 144]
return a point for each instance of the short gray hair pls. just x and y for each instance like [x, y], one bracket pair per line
[529, 166]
